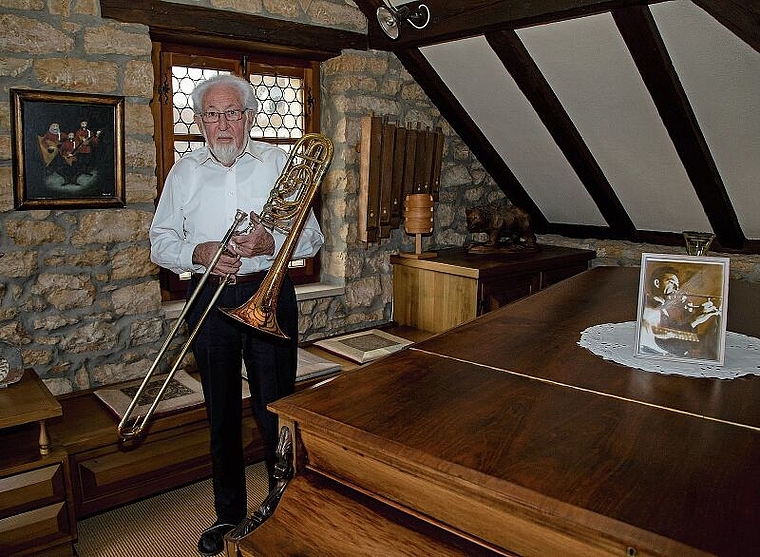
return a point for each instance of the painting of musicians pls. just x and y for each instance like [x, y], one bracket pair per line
[69, 149]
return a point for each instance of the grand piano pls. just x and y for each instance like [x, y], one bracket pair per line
[503, 436]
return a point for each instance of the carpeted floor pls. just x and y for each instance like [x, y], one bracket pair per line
[167, 525]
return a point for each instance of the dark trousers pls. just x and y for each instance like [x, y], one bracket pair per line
[219, 348]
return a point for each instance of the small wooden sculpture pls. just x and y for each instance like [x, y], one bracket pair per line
[508, 228]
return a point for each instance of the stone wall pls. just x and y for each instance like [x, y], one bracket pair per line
[356, 84]
[79, 294]
[628, 254]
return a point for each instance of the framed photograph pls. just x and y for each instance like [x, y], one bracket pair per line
[68, 150]
[682, 308]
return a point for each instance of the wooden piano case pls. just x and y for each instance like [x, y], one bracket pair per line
[507, 434]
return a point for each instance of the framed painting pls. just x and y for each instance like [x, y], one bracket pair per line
[682, 308]
[68, 150]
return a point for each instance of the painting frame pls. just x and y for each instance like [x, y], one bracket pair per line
[68, 150]
[682, 308]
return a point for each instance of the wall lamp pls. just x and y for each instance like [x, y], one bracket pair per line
[390, 17]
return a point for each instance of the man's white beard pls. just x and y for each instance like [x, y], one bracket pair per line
[226, 153]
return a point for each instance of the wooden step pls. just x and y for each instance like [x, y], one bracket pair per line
[303, 524]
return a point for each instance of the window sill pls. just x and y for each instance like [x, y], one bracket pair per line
[173, 309]
[318, 290]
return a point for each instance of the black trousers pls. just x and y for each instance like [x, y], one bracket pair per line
[219, 348]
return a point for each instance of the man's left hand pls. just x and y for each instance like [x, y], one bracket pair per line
[258, 242]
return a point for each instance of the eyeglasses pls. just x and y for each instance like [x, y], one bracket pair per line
[231, 115]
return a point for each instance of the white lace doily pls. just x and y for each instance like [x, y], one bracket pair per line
[615, 341]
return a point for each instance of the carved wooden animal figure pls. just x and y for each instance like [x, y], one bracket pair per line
[501, 221]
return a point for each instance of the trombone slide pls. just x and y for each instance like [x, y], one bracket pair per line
[130, 428]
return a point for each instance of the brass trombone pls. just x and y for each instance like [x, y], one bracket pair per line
[288, 202]
[286, 211]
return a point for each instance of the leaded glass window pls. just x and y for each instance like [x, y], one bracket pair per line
[281, 106]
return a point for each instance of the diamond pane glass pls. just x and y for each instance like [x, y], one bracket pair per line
[184, 80]
[280, 106]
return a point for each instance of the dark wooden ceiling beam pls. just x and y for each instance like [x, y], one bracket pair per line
[467, 18]
[639, 31]
[530, 80]
[740, 16]
[427, 78]
[167, 19]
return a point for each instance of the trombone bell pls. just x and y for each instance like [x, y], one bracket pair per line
[257, 314]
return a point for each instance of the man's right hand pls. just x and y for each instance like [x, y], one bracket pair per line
[228, 264]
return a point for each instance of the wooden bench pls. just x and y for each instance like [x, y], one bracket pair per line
[106, 473]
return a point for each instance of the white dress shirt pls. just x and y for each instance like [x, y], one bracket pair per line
[199, 201]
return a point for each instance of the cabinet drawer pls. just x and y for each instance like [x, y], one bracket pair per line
[107, 477]
[131, 474]
[147, 460]
[32, 489]
[22, 533]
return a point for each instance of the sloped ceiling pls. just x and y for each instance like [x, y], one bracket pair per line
[631, 120]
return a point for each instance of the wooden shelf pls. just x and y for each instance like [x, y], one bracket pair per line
[107, 473]
[27, 401]
[36, 512]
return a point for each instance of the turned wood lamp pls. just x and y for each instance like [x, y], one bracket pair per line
[418, 220]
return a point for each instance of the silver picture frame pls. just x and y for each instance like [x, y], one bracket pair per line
[682, 308]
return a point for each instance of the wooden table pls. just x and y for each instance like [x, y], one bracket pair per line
[29, 401]
[541, 448]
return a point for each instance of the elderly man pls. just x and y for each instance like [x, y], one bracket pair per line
[200, 197]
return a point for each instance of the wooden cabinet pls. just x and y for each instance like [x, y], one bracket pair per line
[36, 514]
[106, 473]
[174, 451]
[456, 286]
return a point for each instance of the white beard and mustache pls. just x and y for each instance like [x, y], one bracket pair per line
[225, 153]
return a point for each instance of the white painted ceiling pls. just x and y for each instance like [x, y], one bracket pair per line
[592, 73]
